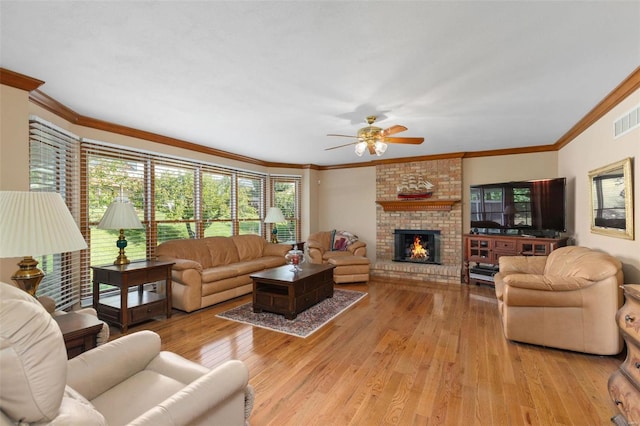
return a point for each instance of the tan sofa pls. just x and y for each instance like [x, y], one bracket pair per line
[126, 381]
[214, 269]
[566, 300]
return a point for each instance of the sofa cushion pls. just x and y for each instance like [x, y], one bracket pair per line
[581, 262]
[219, 273]
[335, 254]
[248, 267]
[272, 261]
[191, 249]
[249, 247]
[222, 251]
[150, 389]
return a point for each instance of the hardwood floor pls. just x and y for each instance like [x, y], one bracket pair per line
[407, 354]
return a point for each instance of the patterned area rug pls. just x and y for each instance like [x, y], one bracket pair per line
[306, 323]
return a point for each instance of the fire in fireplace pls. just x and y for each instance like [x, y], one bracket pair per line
[418, 246]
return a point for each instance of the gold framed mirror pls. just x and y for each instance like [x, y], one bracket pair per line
[612, 200]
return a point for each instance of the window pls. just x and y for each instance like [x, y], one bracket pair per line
[111, 173]
[285, 193]
[52, 168]
[175, 198]
[216, 204]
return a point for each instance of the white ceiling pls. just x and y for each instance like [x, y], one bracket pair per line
[270, 79]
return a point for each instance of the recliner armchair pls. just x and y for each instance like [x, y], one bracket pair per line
[126, 381]
[566, 300]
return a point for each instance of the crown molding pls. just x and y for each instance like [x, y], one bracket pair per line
[19, 81]
[617, 95]
[23, 82]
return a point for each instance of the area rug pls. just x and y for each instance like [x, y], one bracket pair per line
[306, 323]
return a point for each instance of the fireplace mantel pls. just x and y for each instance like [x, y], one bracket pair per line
[416, 205]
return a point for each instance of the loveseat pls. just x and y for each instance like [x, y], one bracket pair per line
[214, 269]
[126, 381]
[566, 300]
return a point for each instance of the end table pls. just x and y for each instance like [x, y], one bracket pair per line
[79, 332]
[132, 307]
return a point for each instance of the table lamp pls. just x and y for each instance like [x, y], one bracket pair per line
[35, 224]
[274, 215]
[120, 215]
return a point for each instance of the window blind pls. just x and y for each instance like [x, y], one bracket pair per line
[285, 194]
[53, 154]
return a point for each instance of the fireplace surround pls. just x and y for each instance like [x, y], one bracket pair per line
[443, 212]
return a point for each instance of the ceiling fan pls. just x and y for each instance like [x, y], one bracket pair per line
[375, 139]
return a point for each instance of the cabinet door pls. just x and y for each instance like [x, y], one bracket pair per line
[479, 250]
[534, 248]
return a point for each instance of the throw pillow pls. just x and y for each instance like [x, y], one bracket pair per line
[341, 240]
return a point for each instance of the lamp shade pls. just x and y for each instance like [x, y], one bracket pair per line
[36, 224]
[120, 215]
[274, 215]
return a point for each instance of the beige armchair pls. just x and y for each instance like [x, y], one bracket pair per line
[321, 246]
[126, 381]
[344, 251]
[566, 300]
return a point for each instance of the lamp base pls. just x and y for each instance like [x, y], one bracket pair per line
[121, 244]
[28, 277]
[121, 260]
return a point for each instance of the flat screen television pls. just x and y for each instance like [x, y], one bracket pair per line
[535, 207]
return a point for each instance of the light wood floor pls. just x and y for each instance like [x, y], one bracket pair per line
[407, 354]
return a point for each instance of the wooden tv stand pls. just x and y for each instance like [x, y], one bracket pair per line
[485, 250]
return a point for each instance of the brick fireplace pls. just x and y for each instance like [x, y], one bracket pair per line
[446, 176]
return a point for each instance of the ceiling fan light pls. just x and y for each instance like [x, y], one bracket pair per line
[360, 148]
[380, 148]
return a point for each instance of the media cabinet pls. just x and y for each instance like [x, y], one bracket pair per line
[481, 253]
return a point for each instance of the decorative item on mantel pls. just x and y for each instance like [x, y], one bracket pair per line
[414, 187]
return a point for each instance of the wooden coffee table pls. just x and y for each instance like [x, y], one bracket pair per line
[281, 291]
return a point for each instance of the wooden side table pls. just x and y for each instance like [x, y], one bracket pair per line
[79, 331]
[132, 307]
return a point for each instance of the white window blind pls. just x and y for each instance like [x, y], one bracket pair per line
[285, 194]
[53, 154]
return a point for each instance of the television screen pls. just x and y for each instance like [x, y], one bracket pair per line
[536, 205]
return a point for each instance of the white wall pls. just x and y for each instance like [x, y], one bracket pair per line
[592, 149]
[347, 201]
[14, 153]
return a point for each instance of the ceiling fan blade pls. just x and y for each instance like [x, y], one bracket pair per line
[343, 136]
[371, 148]
[393, 130]
[340, 146]
[414, 141]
